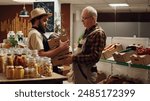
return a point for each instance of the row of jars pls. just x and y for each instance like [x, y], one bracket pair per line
[32, 65]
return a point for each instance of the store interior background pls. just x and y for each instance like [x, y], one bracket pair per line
[122, 21]
[132, 21]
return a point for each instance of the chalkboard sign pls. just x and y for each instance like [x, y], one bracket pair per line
[49, 7]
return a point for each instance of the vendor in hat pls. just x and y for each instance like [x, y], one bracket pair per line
[36, 37]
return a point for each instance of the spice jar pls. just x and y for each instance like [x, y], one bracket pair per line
[10, 72]
[19, 72]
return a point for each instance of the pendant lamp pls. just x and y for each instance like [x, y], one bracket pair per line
[24, 12]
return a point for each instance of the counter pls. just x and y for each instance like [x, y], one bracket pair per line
[54, 79]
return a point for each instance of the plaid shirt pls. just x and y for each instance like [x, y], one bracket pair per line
[94, 46]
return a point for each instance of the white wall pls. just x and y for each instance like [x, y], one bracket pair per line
[112, 29]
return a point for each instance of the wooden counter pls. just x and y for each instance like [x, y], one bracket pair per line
[54, 79]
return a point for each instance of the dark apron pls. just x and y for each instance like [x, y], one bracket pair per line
[82, 73]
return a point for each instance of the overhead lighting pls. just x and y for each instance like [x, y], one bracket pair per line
[24, 12]
[118, 5]
[24, 1]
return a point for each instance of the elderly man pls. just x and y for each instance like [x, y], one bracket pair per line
[89, 49]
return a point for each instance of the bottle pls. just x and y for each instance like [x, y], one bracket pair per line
[10, 34]
[19, 36]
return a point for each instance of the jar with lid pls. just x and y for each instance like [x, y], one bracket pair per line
[45, 68]
[34, 53]
[9, 60]
[10, 72]
[19, 59]
[2, 63]
[32, 64]
[19, 72]
[29, 72]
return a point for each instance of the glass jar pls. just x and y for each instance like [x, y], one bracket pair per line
[10, 72]
[9, 60]
[2, 63]
[30, 72]
[10, 34]
[32, 64]
[45, 68]
[19, 36]
[34, 53]
[19, 72]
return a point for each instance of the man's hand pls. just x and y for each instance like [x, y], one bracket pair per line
[64, 45]
[68, 60]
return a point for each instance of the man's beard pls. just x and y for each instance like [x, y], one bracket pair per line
[41, 28]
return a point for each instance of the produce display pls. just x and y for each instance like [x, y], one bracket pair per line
[109, 50]
[135, 53]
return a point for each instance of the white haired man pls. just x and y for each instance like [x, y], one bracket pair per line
[89, 49]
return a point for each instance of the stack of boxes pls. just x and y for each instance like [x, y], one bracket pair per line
[109, 50]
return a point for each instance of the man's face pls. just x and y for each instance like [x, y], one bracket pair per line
[43, 22]
[86, 19]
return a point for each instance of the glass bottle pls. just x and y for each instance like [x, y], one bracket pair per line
[10, 34]
[19, 36]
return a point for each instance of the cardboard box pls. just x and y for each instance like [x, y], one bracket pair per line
[65, 52]
[122, 57]
[54, 43]
[66, 70]
[109, 52]
[140, 59]
[60, 60]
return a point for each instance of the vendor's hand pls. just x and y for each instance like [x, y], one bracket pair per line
[64, 45]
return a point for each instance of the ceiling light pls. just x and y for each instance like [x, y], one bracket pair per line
[24, 1]
[118, 4]
[24, 12]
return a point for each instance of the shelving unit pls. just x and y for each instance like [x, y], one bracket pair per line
[111, 67]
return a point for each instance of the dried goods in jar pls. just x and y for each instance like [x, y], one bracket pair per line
[19, 72]
[10, 72]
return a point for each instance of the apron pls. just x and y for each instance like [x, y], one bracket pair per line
[45, 40]
[47, 48]
[82, 73]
